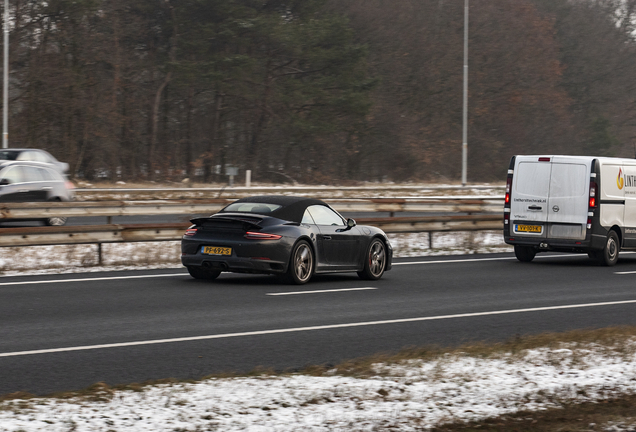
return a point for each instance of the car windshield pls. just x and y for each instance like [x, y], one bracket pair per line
[249, 207]
[8, 155]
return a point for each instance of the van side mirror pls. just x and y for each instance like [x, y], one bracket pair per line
[5, 182]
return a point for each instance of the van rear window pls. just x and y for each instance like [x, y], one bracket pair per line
[568, 180]
[533, 179]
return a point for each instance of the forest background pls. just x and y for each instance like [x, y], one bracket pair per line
[319, 91]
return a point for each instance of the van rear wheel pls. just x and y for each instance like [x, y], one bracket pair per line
[525, 253]
[609, 254]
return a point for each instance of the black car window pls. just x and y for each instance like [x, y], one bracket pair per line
[13, 175]
[248, 207]
[323, 215]
[8, 154]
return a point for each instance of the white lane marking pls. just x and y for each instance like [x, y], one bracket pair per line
[453, 261]
[311, 328]
[625, 272]
[90, 279]
[492, 259]
[320, 291]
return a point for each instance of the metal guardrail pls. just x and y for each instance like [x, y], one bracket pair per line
[191, 207]
[323, 192]
[115, 233]
[86, 234]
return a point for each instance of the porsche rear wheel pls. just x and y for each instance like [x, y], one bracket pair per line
[375, 261]
[200, 273]
[301, 264]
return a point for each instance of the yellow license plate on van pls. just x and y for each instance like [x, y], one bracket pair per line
[528, 228]
[216, 250]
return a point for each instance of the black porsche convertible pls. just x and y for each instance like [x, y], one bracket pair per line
[294, 237]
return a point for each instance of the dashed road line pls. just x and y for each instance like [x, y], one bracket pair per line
[320, 291]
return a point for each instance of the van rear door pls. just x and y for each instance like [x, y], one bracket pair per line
[568, 199]
[531, 187]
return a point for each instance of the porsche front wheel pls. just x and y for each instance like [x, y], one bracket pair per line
[375, 261]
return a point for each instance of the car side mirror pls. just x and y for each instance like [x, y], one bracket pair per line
[5, 182]
[351, 223]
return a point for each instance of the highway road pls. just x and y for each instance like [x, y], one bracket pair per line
[65, 332]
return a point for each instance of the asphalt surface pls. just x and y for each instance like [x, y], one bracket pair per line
[66, 332]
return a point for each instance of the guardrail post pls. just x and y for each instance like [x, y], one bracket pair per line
[99, 254]
[430, 240]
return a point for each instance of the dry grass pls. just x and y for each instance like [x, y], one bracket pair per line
[611, 338]
[570, 418]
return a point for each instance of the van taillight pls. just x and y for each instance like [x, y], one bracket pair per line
[508, 188]
[544, 159]
[593, 193]
[190, 231]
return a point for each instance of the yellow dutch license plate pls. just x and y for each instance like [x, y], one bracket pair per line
[528, 228]
[216, 250]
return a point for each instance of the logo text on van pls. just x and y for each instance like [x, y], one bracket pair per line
[630, 180]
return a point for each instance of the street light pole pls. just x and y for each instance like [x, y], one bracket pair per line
[5, 86]
[465, 107]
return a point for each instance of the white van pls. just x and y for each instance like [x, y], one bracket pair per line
[570, 204]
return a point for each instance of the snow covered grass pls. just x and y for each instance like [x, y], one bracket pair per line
[411, 391]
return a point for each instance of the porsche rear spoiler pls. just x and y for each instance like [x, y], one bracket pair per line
[246, 222]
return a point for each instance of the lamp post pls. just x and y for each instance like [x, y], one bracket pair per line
[465, 105]
[5, 84]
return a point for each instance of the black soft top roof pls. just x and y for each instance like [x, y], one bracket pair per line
[292, 207]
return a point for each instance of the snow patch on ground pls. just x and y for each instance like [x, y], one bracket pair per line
[411, 395]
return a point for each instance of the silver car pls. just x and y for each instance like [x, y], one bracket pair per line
[32, 155]
[33, 182]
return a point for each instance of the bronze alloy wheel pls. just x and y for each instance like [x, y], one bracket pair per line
[302, 263]
[375, 262]
[377, 258]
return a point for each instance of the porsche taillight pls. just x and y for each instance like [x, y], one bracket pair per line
[261, 236]
[190, 231]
